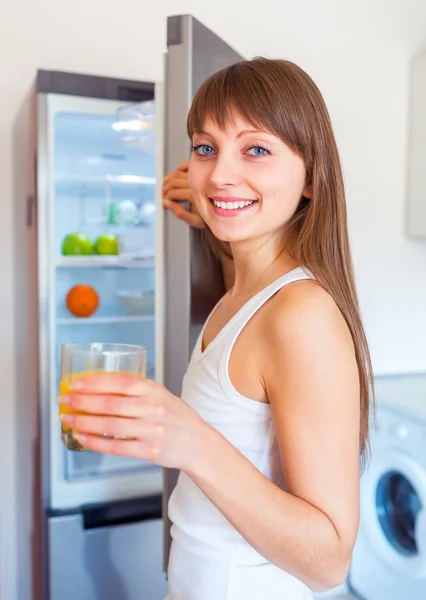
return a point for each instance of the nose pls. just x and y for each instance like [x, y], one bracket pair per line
[225, 172]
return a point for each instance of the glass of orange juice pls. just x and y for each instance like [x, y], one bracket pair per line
[95, 357]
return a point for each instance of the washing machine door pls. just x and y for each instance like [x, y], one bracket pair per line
[389, 561]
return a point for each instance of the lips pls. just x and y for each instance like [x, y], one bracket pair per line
[231, 206]
[231, 202]
[232, 199]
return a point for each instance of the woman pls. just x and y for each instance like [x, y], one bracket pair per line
[274, 409]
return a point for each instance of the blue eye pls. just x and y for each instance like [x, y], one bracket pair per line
[258, 151]
[203, 150]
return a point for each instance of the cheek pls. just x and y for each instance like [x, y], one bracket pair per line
[284, 187]
[273, 188]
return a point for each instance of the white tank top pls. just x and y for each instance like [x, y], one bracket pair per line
[209, 559]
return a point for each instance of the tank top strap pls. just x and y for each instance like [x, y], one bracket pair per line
[255, 303]
[241, 320]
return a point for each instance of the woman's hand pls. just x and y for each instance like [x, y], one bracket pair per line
[160, 427]
[176, 190]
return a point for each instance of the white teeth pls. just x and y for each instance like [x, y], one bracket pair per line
[232, 205]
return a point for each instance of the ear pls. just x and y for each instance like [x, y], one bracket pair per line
[307, 191]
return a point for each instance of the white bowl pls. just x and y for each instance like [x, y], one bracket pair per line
[136, 302]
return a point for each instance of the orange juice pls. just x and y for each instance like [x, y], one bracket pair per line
[67, 434]
[78, 360]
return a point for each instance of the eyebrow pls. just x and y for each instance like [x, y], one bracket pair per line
[243, 132]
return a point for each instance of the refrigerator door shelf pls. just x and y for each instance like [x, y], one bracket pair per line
[114, 486]
[87, 465]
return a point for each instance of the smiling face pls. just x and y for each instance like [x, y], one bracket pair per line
[246, 182]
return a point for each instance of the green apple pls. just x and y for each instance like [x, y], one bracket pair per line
[106, 244]
[77, 244]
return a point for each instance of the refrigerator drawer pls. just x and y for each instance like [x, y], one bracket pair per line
[111, 552]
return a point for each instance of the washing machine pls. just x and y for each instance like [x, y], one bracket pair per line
[389, 560]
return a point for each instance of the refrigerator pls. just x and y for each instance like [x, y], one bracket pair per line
[96, 227]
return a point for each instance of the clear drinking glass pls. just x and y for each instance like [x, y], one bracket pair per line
[78, 359]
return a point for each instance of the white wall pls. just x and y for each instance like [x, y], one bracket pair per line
[358, 51]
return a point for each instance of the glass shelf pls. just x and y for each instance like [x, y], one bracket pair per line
[107, 179]
[104, 320]
[145, 262]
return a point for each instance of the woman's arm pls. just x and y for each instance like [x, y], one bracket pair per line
[311, 380]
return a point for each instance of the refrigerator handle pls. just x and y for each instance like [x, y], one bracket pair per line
[123, 513]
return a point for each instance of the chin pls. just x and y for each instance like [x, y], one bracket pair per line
[227, 236]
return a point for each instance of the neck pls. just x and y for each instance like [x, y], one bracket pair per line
[259, 262]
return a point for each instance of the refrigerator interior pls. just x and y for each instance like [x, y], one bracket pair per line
[104, 183]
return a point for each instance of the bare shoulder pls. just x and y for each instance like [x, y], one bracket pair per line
[306, 334]
[306, 310]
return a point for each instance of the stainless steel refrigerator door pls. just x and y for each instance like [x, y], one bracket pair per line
[194, 280]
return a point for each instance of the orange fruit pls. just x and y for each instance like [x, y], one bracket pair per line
[82, 300]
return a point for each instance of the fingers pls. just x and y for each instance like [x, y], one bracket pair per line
[177, 183]
[121, 394]
[174, 192]
[175, 188]
[121, 406]
[176, 179]
[139, 448]
[184, 195]
[128, 384]
[113, 426]
[192, 218]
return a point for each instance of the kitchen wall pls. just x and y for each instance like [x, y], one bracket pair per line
[358, 52]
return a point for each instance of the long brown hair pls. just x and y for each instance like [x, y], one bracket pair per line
[280, 97]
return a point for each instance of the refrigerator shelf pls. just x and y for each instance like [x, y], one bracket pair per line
[105, 320]
[146, 262]
[106, 179]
